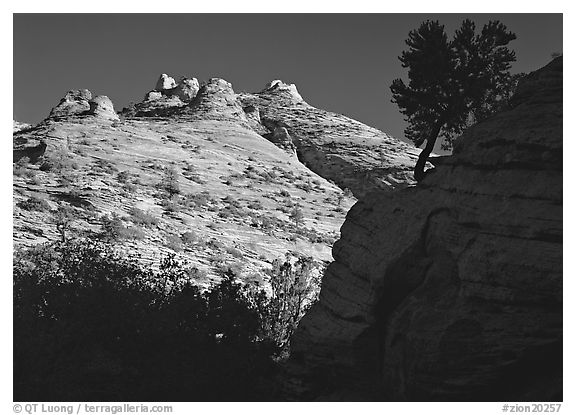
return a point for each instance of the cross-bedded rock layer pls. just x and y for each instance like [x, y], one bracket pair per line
[452, 290]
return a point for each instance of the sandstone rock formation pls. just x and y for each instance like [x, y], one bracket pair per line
[345, 151]
[289, 89]
[19, 126]
[166, 99]
[350, 153]
[281, 138]
[452, 290]
[153, 96]
[165, 82]
[217, 101]
[102, 107]
[186, 89]
[237, 189]
[75, 102]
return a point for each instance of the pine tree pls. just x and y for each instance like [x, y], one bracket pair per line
[451, 82]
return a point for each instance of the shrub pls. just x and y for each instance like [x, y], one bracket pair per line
[196, 274]
[23, 161]
[255, 204]
[140, 217]
[105, 166]
[169, 182]
[191, 174]
[231, 201]
[20, 168]
[63, 218]
[129, 188]
[34, 204]
[113, 229]
[235, 252]
[307, 187]
[295, 283]
[189, 237]
[174, 242]
[231, 211]
[19, 171]
[197, 199]
[171, 205]
[91, 325]
[297, 215]
[58, 161]
[123, 177]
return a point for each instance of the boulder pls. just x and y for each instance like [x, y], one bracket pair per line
[452, 290]
[278, 85]
[19, 126]
[152, 96]
[165, 82]
[102, 107]
[186, 89]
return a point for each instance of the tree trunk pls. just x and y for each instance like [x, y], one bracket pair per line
[419, 172]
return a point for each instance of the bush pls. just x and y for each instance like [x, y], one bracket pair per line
[295, 283]
[255, 204]
[297, 215]
[235, 252]
[113, 229]
[174, 242]
[58, 161]
[90, 325]
[63, 218]
[20, 168]
[189, 238]
[34, 204]
[169, 182]
[140, 217]
[197, 199]
[229, 200]
[105, 166]
[123, 177]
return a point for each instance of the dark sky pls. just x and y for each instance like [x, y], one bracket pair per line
[340, 62]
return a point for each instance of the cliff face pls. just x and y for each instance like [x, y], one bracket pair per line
[350, 153]
[236, 191]
[340, 149]
[452, 290]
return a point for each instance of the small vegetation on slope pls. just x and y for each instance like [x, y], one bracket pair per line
[91, 325]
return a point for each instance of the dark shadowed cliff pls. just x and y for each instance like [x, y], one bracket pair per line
[451, 290]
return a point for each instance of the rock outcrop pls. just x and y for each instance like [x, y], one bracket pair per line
[165, 83]
[19, 126]
[75, 102]
[288, 90]
[166, 99]
[186, 89]
[452, 290]
[79, 103]
[345, 151]
[281, 138]
[350, 153]
[152, 96]
[217, 101]
[102, 107]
